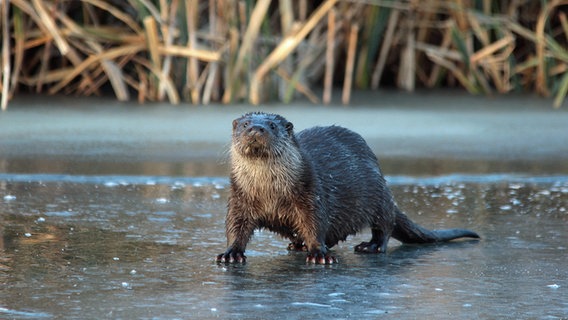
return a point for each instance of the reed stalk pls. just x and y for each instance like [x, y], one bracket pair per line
[346, 96]
[329, 57]
[6, 70]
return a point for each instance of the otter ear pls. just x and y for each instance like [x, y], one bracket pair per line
[235, 123]
[289, 127]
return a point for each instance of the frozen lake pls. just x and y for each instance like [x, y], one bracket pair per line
[142, 247]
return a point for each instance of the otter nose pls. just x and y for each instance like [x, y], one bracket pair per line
[258, 129]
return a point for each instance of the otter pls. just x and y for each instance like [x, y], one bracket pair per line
[314, 187]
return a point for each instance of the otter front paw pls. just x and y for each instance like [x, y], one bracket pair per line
[232, 256]
[320, 258]
[293, 246]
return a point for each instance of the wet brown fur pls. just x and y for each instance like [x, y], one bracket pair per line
[315, 187]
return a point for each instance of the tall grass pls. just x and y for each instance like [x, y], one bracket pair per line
[203, 51]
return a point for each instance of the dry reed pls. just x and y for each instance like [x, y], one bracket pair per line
[225, 51]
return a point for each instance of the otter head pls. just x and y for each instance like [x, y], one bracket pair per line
[262, 135]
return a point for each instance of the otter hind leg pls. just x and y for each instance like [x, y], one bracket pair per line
[378, 243]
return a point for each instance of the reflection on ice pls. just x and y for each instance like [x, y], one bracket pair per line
[23, 314]
[9, 197]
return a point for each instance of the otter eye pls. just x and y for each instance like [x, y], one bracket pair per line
[245, 124]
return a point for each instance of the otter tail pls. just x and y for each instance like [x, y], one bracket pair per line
[407, 231]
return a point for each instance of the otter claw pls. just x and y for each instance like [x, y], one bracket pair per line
[231, 257]
[320, 258]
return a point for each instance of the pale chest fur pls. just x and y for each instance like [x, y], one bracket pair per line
[267, 181]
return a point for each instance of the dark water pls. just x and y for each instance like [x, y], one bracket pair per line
[142, 247]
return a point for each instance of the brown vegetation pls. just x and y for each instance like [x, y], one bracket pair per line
[225, 51]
